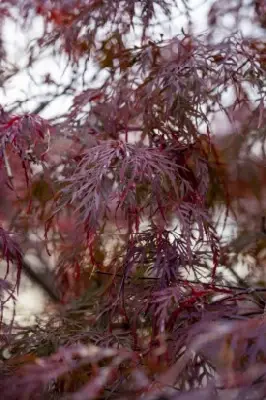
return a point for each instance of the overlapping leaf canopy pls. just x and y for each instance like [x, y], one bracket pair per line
[124, 189]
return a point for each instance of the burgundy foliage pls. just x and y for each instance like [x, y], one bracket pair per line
[130, 192]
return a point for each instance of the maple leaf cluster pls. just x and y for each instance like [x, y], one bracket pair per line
[126, 192]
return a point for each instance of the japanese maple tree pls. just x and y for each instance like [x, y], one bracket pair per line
[130, 192]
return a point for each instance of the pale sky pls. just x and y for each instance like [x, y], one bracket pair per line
[16, 41]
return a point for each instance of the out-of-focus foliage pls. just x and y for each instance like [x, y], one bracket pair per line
[131, 192]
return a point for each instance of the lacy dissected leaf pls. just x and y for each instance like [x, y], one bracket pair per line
[115, 172]
[27, 136]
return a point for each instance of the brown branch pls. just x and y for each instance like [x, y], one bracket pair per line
[43, 280]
